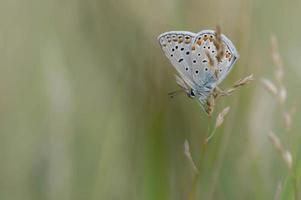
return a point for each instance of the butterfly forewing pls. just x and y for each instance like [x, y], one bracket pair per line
[177, 48]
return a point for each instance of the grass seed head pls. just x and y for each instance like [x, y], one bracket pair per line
[270, 87]
[219, 44]
[221, 116]
[285, 154]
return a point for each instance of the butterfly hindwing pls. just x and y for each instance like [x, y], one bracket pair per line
[206, 68]
[202, 57]
[177, 47]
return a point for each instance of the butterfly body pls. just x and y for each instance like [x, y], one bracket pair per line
[202, 60]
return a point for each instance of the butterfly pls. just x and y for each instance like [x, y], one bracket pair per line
[202, 60]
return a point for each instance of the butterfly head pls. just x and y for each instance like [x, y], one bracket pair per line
[191, 93]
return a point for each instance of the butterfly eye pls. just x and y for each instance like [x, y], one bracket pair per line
[192, 93]
[206, 69]
[196, 71]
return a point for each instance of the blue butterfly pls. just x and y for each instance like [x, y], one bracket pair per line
[202, 60]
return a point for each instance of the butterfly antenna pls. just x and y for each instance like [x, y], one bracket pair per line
[175, 93]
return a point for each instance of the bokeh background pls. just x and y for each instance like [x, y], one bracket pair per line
[84, 111]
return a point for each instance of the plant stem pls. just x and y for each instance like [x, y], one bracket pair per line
[295, 187]
[210, 136]
[203, 147]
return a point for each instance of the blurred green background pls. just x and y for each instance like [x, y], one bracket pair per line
[84, 111]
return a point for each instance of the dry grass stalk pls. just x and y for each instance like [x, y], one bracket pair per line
[285, 154]
[218, 44]
[219, 121]
[270, 87]
[210, 60]
[212, 64]
[287, 120]
[216, 93]
[188, 155]
[278, 191]
[242, 82]
[287, 116]
[277, 61]
[279, 91]
[282, 94]
[210, 104]
[221, 116]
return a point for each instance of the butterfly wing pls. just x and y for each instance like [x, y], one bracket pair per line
[177, 47]
[194, 56]
[207, 70]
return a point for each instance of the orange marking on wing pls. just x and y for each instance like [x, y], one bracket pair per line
[228, 55]
[180, 39]
[187, 41]
[193, 47]
[199, 41]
